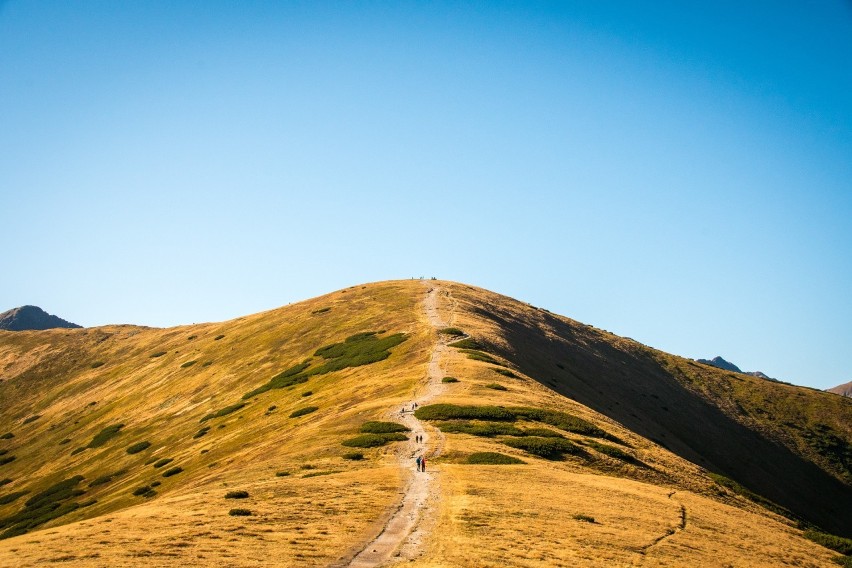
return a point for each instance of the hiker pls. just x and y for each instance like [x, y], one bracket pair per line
[423, 464]
[418, 461]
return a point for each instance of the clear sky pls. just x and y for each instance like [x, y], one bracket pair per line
[676, 172]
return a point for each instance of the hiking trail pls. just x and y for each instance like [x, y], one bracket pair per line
[401, 539]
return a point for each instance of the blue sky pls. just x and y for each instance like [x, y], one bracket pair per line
[675, 173]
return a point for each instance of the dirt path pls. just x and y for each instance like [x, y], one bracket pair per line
[402, 537]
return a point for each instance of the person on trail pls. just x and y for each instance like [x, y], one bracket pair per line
[423, 464]
[418, 460]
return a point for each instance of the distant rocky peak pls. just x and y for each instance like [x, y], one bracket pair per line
[31, 318]
[717, 361]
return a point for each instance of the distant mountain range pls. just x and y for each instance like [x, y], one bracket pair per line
[844, 390]
[31, 318]
[720, 363]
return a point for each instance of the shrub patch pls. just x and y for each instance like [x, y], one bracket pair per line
[188, 364]
[374, 427]
[452, 331]
[374, 440]
[43, 507]
[548, 448]
[32, 418]
[449, 380]
[454, 411]
[138, 447]
[164, 461]
[496, 386]
[172, 471]
[223, 412]
[303, 411]
[158, 354]
[11, 497]
[105, 435]
[236, 495]
[354, 456]
[201, 432]
[492, 458]
[239, 513]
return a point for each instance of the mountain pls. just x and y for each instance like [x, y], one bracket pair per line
[843, 390]
[31, 318]
[291, 435]
[720, 363]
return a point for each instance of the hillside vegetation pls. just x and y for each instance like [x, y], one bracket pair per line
[279, 435]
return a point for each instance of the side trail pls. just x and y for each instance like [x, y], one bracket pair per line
[408, 527]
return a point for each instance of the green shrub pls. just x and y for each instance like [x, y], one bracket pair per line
[486, 429]
[57, 492]
[239, 513]
[11, 497]
[374, 427]
[188, 364]
[5, 481]
[97, 364]
[373, 440]
[236, 495]
[65, 441]
[836, 543]
[223, 412]
[271, 408]
[584, 518]
[307, 393]
[155, 484]
[548, 448]
[318, 473]
[321, 311]
[354, 456]
[138, 447]
[144, 491]
[102, 480]
[495, 386]
[480, 356]
[32, 418]
[449, 380]
[7, 436]
[542, 433]
[207, 363]
[282, 473]
[201, 432]
[561, 420]
[303, 411]
[105, 435]
[43, 507]
[454, 411]
[610, 451]
[357, 350]
[163, 461]
[158, 354]
[172, 471]
[492, 458]
[506, 373]
[218, 337]
[77, 451]
[7, 459]
[452, 331]
[469, 343]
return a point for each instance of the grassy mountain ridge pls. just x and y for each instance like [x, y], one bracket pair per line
[125, 399]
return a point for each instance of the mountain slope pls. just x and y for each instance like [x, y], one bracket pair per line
[843, 390]
[31, 318]
[611, 496]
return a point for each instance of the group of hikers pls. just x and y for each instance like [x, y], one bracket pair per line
[421, 463]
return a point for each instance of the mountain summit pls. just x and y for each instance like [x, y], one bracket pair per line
[290, 437]
[32, 318]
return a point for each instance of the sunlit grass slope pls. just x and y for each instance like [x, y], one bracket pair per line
[559, 444]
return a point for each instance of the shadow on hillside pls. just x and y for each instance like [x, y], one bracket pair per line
[633, 388]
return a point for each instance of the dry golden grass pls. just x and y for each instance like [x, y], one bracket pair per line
[517, 515]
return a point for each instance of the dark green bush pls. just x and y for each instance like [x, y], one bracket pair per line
[492, 458]
[163, 461]
[480, 356]
[32, 418]
[7, 459]
[158, 354]
[303, 411]
[77, 451]
[207, 363]
[584, 518]
[282, 473]
[155, 484]
[453, 331]
[218, 337]
[97, 364]
[43, 507]
[65, 441]
[138, 447]
[57, 492]
[374, 427]
[201, 432]
[105, 435]
[239, 513]
[548, 448]
[307, 393]
[453, 411]
[172, 471]
[223, 412]
[373, 440]
[561, 420]
[610, 451]
[318, 473]
[506, 373]
[102, 480]
[354, 456]
[7, 436]
[271, 408]
[495, 386]
[449, 380]
[5, 481]
[188, 364]
[542, 433]
[321, 311]
[236, 495]
[486, 429]
[836, 543]
[469, 343]
[11, 497]
[144, 491]
[357, 350]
